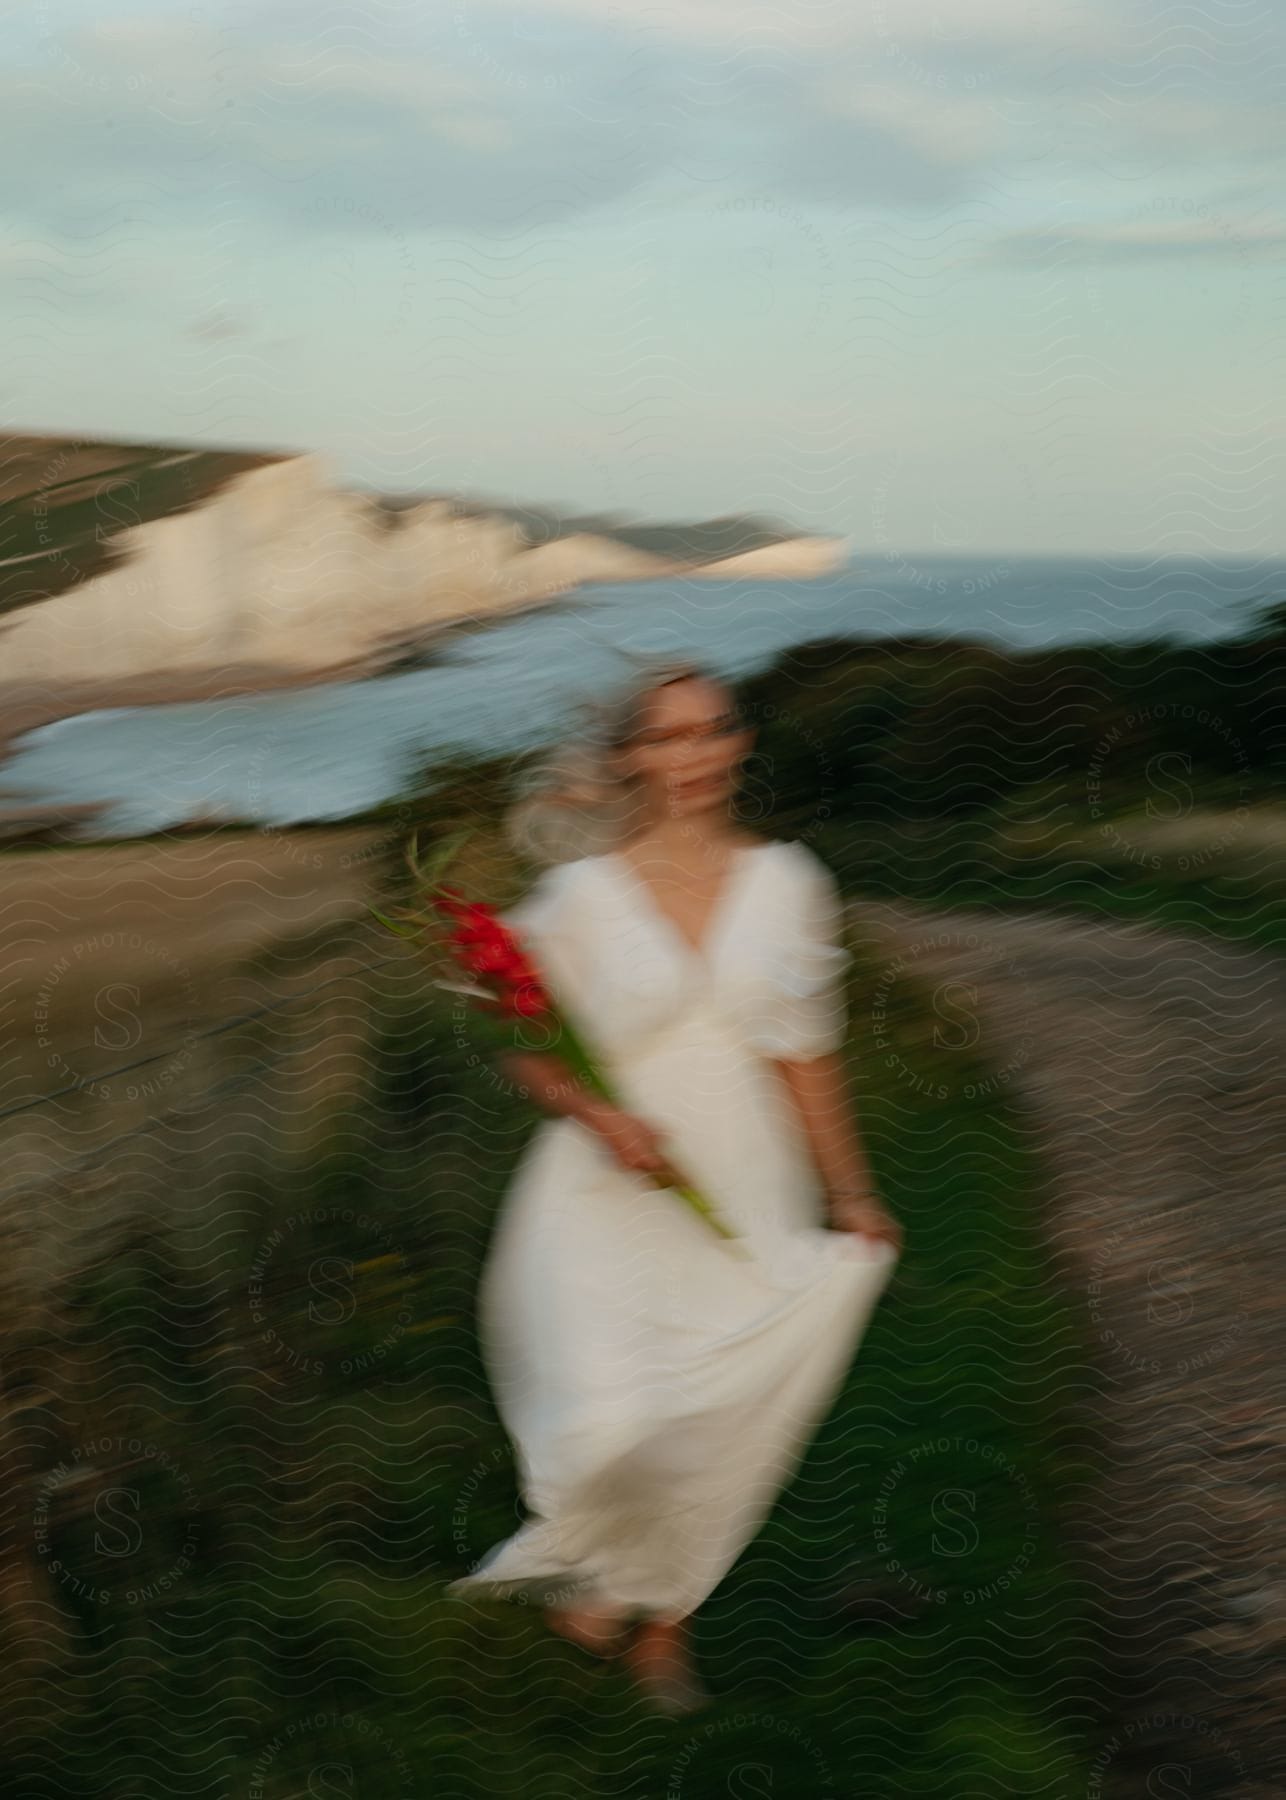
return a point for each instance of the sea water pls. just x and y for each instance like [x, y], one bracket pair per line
[331, 752]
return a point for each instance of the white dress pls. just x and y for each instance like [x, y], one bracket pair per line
[658, 1389]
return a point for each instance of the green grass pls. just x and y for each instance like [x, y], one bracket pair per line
[311, 1647]
[955, 863]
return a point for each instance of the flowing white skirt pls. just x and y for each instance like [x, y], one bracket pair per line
[659, 1389]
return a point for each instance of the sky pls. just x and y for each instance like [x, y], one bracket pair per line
[988, 276]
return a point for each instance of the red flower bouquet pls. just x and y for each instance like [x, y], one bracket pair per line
[508, 985]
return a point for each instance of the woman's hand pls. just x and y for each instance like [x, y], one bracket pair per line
[633, 1142]
[864, 1214]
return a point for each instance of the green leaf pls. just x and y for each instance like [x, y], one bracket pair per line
[392, 924]
[431, 873]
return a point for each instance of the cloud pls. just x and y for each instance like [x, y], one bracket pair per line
[215, 327]
[1246, 123]
[1202, 234]
[190, 117]
[945, 130]
[803, 24]
[505, 135]
[482, 115]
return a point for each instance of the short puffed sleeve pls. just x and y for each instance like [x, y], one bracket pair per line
[801, 1009]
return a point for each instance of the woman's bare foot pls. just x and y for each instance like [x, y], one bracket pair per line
[659, 1659]
[601, 1630]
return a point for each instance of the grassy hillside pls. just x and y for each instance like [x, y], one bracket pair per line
[258, 1468]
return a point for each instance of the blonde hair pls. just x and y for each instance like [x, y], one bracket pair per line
[572, 801]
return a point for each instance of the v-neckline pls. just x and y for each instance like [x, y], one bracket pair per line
[716, 919]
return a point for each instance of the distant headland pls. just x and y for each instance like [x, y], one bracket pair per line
[165, 568]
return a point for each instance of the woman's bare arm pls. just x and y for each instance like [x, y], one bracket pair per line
[551, 1084]
[820, 1092]
[634, 1142]
[819, 1088]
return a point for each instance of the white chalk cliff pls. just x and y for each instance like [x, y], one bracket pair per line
[278, 566]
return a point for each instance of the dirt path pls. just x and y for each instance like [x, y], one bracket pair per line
[1152, 1068]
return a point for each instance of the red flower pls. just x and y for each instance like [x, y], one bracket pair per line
[527, 1000]
[497, 963]
[492, 955]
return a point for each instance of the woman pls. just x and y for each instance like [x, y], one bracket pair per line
[659, 1388]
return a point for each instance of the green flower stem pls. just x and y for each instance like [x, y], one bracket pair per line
[570, 1046]
[582, 1064]
[701, 1205]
